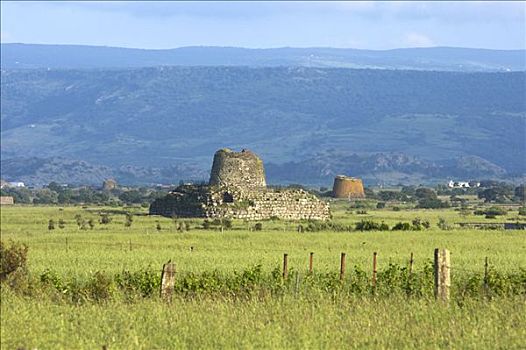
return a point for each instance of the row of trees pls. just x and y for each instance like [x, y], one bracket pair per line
[57, 194]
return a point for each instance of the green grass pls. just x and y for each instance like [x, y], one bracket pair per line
[274, 323]
[306, 321]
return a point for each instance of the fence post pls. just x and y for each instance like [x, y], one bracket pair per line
[374, 270]
[342, 266]
[442, 274]
[311, 261]
[167, 280]
[486, 276]
[285, 266]
[411, 261]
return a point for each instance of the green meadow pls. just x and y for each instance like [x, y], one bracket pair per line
[296, 316]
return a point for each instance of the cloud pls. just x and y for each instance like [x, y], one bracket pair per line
[4, 36]
[418, 40]
[445, 11]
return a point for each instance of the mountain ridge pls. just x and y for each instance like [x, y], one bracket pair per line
[27, 56]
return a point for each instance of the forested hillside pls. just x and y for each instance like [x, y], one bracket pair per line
[167, 117]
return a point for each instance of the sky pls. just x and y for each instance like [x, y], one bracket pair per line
[356, 24]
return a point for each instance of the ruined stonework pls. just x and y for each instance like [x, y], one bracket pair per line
[347, 187]
[7, 200]
[243, 169]
[237, 190]
[109, 184]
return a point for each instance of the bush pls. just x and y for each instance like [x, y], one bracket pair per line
[380, 205]
[258, 226]
[419, 224]
[432, 203]
[128, 220]
[402, 226]
[522, 211]
[105, 219]
[369, 225]
[51, 225]
[442, 224]
[61, 223]
[12, 258]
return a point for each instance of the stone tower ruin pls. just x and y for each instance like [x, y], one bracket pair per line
[347, 187]
[237, 189]
[239, 169]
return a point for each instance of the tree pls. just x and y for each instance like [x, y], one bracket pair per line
[425, 193]
[520, 192]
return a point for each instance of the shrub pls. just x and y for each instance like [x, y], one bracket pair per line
[419, 224]
[402, 226]
[206, 224]
[522, 211]
[380, 205]
[432, 203]
[158, 227]
[12, 258]
[91, 223]
[105, 219]
[396, 208]
[61, 223]
[128, 221]
[369, 225]
[51, 225]
[442, 224]
[258, 226]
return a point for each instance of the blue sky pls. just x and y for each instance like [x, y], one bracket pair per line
[367, 25]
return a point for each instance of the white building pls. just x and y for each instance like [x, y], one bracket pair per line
[462, 184]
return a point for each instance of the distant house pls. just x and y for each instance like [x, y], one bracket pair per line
[16, 184]
[462, 184]
[7, 200]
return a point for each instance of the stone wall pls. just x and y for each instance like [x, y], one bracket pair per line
[347, 187]
[232, 202]
[242, 169]
[7, 200]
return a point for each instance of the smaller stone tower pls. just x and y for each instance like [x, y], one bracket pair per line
[109, 184]
[347, 187]
[240, 169]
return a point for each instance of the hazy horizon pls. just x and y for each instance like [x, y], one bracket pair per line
[266, 48]
[369, 25]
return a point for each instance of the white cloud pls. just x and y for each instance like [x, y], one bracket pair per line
[418, 40]
[4, 36]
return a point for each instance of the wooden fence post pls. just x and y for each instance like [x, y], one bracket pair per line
[342, 266]
[411, 261]
[486, 285]
[374, 270]
[167, 280]
[311, 262]
[442, 274]
[285, 266]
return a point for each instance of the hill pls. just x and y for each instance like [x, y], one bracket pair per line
[436, 58]
[161, 117]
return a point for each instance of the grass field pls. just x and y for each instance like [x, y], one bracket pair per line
[290, 321]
